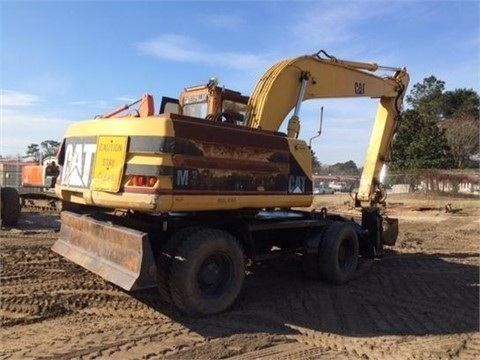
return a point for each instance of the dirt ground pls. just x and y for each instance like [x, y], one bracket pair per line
[421, 301]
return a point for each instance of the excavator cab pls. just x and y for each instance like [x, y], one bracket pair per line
[214, 103]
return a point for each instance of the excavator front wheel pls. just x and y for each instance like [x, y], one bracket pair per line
[207, 272]
[338, 253]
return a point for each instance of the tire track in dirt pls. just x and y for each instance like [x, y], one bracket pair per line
[115, 339]
[46, 275]
[133, 342]
[42, 292]
[105, 333]
[415, 303]
[418, 302]
[299, 352]
[392, 347]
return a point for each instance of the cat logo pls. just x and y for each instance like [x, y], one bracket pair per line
[78, 164]
[296, 184]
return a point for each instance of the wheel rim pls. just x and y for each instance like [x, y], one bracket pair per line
[215, 274]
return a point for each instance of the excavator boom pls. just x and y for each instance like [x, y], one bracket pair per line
[290, 82]
[277, 92]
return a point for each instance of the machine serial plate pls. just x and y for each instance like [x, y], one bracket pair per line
[109, 162]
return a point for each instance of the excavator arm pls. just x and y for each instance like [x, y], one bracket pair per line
[288, 83]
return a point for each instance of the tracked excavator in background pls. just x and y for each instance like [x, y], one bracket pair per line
[184, 199]
[30, 187]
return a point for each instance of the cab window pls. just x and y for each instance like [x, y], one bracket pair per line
[195, 105]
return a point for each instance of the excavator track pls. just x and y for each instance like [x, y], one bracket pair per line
[45, 203]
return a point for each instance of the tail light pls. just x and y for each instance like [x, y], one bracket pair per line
[142, 181]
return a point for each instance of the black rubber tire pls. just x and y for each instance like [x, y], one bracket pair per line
[338, 253]
[11, 206]
[164, 261]
[207, 273]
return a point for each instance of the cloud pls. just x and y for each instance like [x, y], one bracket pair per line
[326, 27]
[334, 24]
[98, 104]
[16, 98]
[183, 49]
[34, 128]
[126, 99]
[102, 106]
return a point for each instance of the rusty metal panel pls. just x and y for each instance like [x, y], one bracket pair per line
[237, 160]
[237, 136]
[120, 255]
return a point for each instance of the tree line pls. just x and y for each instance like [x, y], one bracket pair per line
[44, 149]
[438, 130]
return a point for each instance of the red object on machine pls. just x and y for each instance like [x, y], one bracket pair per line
[146, 107]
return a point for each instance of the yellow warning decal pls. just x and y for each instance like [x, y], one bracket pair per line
[109, 163]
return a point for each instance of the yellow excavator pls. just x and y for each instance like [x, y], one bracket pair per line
[182, 199]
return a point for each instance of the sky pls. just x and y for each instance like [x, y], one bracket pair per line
[67, 61]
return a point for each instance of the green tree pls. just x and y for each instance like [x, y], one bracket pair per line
[45, 149]
[427, 97]
[33, 150]
[461, 103]
[49, 147]
[420, 144]
[316, 165]
[346, 168]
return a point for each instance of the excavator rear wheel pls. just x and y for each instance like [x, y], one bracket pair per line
[164, 261]
[10, 206]
[207, 272]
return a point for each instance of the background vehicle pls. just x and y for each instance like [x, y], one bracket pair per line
[340, 186]
[32, 182]
[183, 200]
[323, 189]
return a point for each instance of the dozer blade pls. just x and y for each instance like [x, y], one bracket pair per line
[118, 254]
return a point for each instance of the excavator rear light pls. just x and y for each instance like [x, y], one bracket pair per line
[139, 180]
[142, 181]
[152, 181]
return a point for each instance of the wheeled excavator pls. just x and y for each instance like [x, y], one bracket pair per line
[183, 199]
